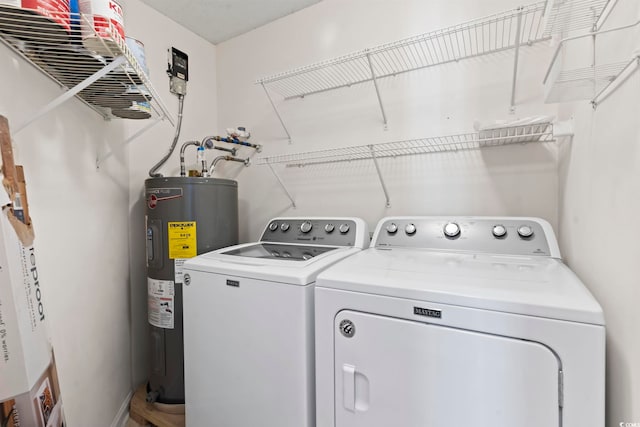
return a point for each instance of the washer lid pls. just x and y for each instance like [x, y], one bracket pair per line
[535, 286]
[278, 251]
[246, 261]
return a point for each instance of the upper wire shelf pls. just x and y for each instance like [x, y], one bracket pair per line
[111, 82]
[572, 78]
[565, 16]
[541, 132]
[478, 37]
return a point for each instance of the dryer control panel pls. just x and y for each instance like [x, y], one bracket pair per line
[496, 235]
[316, 231]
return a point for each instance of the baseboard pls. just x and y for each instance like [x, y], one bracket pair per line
[122, 416]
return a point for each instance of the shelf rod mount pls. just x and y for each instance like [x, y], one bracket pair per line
[375, 85]
[273, 104]
[384, 186]
[284, 187]
[512, 109]
[117, 62]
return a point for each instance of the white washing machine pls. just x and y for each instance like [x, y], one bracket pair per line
[458, 322]
[248, 323]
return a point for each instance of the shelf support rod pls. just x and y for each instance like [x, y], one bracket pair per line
[375, 84]
[515, 62]
[384, 186]
[609, 89]
[72, 92]
[284, 187]
[277, 112]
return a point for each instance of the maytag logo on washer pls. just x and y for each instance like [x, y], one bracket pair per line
[623, 424]
[420, 311]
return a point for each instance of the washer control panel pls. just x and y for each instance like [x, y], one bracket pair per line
[510, 236]
[325, 231]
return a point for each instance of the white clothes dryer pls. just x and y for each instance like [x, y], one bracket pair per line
[470, 321]
[248, 323]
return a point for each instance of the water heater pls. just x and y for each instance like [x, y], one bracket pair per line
[185, 216]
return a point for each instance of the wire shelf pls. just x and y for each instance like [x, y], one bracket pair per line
[542, 132]
[564, 16]
[471, 39]
[583, 83]
[572, 76]
[54, 45]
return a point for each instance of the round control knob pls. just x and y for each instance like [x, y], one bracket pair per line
[329, 228]
[392, 228]
[273, 226]
[284, 226]
[525, 231]
[410, 229]
[344, 228]
[499, 231]
[452, 230]
[306, 227]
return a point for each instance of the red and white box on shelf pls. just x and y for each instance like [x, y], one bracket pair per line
[56, 10]
[105, 30]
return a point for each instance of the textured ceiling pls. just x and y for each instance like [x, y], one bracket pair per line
[220, 20]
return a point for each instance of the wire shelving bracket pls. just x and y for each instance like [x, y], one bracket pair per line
[541, 132]
[595, 81]
[112, 82]
[564, 16]
[495, 33]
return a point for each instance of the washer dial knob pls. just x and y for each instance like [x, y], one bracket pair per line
[452, 230]
[392, 228]
[410, 229]
[499, 231]
[329, 228]
[284, 226]
[344, 228]
[273, 226]
[525, 231]
[306, 227]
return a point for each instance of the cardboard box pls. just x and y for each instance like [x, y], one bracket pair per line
[29, 391]
[25, 351]
[40, 407]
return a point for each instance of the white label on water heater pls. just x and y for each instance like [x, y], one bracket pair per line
[178, 267]
[161, 294]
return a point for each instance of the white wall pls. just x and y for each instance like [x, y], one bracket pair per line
[518, 180]
[81, 223]
[591, 200]
[87, 219]
[159, 33]
[600, 184]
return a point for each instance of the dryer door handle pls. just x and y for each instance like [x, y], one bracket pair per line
[355, 389]
[349, 387]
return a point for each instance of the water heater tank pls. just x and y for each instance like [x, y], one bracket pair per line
[185, 217]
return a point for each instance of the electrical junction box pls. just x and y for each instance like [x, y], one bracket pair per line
[178, 71]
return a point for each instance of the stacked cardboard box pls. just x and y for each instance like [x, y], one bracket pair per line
[29, 392]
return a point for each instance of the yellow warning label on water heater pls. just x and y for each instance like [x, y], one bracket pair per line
[182, 239]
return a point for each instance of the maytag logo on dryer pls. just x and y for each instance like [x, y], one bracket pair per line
[427, 312]
[234, 283]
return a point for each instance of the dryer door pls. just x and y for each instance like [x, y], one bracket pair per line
[392, 372]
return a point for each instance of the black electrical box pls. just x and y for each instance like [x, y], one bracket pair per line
[179, 65]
